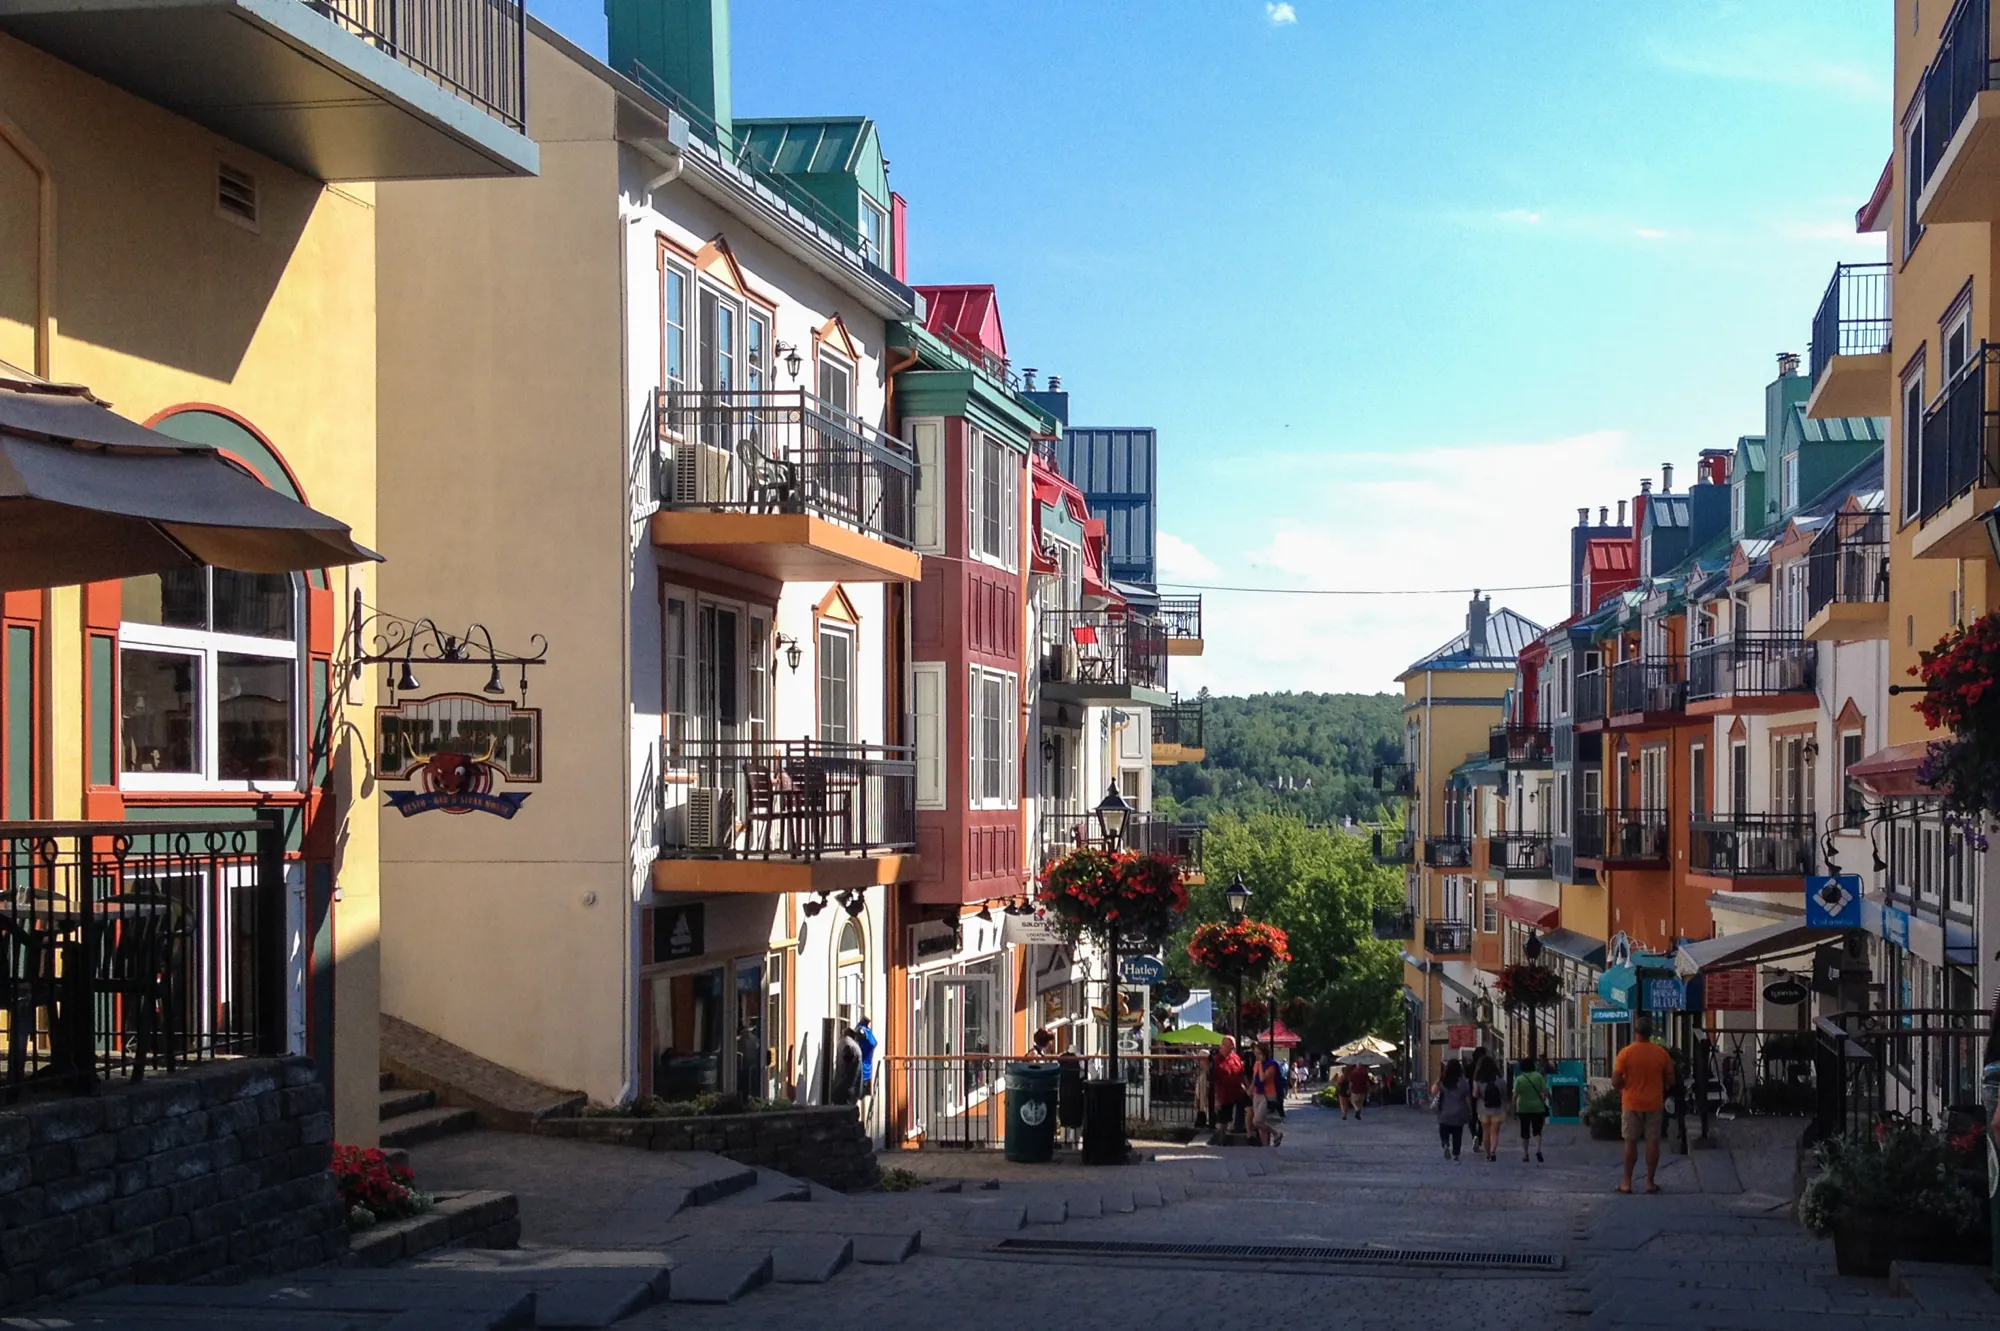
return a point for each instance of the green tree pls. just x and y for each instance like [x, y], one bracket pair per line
[1321, 886]
[1309, 754]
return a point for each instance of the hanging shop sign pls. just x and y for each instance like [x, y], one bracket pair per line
[679, 931]
[1463, 1037]
[1142, 970]
[1610, 1016]
[1833, 902]
[1787, 992]
[458, 750]
[1038, 928]
[1731, 990]
[1665, 995]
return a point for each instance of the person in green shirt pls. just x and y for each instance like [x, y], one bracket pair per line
[1531, 1106]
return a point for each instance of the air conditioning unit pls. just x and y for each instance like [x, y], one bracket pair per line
[707, 818]
[701, 475]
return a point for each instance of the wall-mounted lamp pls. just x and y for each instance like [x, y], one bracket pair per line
[788, 352]
[815, 906]
[793, 653]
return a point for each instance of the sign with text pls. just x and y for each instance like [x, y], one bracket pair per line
[1787, 992]
[678, 931]
[1833, 903]
[1665, 995]
[1142, 970]
[1463, 1037]
[458, 748]
[1610, 1016]
[1731, 990]
[1038, 929]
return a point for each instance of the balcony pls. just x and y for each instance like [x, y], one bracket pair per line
[1398, 780]
[1752, 672]
[1448, 852]
[1960, 176]
[1521, 745]
[1064, 830]
[1400, 851]
[767, 816]
[1958, 471]
[1177, 732]
[1395, 926]
[1757, 846]
[1847, 580]
[1103, 657]
[1648, 692]
[1519, 854]
[1851, 375]
[1448, 939]
[1593, 697]
[1622, 838]
[1180, 616]
[782, 485]
[338, 89]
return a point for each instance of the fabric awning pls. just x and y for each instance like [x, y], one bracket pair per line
[1619, 985]
[1891, 773]
[1527, 910]
[1578, 947]
[87, 496]
[1752, 945]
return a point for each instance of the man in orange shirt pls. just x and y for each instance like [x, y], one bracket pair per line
[1640, 1077]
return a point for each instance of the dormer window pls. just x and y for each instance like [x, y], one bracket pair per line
[874, 230]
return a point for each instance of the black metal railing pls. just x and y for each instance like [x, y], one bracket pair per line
[1649, 685]
[1961, 70]
[1179, 723]
[135, 947]
[1449, 939]
[959, 1101]
[1398, 779]
[1065, 830]
[1103, 647]
[1181, 617]
[1750, 845]
[1917, 1065]
[1848, 562]
[1521, 744]
[474, 49]
[782, 452]
[1519, 854]
[1592, 700]
[1961, 436]
[1396, 926]
[1752, 665]
[1447, 852]
[1400, 851]
[1853, 315]
[800, 799]
[1622, 836]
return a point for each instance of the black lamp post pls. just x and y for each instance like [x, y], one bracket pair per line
[1104, 1107]
[1112, 812]
[1238, 897]
[1532, 950]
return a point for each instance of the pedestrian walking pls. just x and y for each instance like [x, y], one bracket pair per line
[864, 1035]
[1267, 1090]
[1640, 1075]
[1451, 1100]
[1353, 1089]
[1226, 1084]
[1531, 1107]
[1491, 1094]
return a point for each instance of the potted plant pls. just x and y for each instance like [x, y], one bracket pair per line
[1604, 1115]
[1959, 698]
[1889, 1195]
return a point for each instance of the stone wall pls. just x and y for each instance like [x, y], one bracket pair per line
[825, 1144]
[213, 1174]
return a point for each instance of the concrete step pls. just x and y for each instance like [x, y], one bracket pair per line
[384, 1079]
[573, 1288]
[767, 1185]
[503, 1098]
[809, 1259]
[717, 1275]
[395, 1102]
[426, 1124]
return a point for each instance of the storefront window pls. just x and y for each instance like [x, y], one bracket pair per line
[687, 1013]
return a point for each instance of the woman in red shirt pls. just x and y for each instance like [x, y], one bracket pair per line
[1226, 1083]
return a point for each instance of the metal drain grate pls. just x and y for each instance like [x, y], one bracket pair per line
[1260, 1252]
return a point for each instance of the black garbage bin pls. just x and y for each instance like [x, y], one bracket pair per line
[1104, 1140]
[1031, 1111]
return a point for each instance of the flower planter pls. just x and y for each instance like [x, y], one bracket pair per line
[1604, 1130]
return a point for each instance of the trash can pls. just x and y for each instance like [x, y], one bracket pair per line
[1104, 1141]
[1989, 1096]
[1031, 1111]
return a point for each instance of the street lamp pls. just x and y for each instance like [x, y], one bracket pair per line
[1112, 812]
[1532, 950]
[1238, 895]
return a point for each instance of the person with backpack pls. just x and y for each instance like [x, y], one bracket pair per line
[1451, 1101]
[1491, 1093]
[1531, 1107]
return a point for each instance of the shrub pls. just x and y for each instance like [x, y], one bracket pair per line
[704, 1105]
[1908, 1174]
[373, 1187]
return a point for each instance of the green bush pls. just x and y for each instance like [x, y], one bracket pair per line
[1608, 1105]
[1908, 1174]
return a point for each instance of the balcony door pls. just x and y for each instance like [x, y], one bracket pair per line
[718, 326]
[718, 673]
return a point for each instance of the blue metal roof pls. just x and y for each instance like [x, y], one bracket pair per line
[1507, 632]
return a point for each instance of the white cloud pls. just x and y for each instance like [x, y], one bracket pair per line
[1521, 215]
[1775, 58]
[1281, 15]
[1180, 561]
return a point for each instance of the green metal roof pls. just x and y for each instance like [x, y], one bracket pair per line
[826, 146]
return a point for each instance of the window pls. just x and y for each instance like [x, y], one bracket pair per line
[756, 352]
[718, 343]
[208, 687]
[1736, 524]
[1930, 859]
[1913, 177]
[1698, 780]
[1913, 441]
[1653, 777]
[874, 231]
[674, 656]
[1593, 790]
[1563, 668]
[760, 658]
[1957, 336]
[1958, 871]
[995, 727]
[1853, 800]
[1788, 478]
[927, 688]
[993, 494]
[1739, 777]
[1563, 823]
[836, 384]
[927, 443]
[1128, 784]
[1787, 776]
[673, 326]
[836, 685]
[1489, 908]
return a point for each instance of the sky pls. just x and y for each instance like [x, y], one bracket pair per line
[1402, 283]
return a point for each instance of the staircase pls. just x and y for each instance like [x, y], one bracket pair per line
[410, 1115]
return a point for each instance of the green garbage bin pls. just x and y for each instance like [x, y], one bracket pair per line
[1031, 1111]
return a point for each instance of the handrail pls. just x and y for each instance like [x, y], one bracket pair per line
[477, 50]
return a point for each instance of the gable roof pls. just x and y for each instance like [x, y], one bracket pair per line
[804, 146]
[1507, 632]
[966, 315]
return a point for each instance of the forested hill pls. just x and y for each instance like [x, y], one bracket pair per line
[1309, 754]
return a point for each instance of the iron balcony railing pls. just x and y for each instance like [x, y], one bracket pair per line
[1397, 779]
[1853, 316]
[959, 1101]
[1065, 830]
[1753, 665]
[1181, 617]
[1592, 697]
[1447, 852]
[1649, 685]
[800, 799]
[782, 452]
[1520, 854]
[1179, 723]
[1107, 647]
[1521, 744]
[1961, 436]
[135, 947]
[1622, 836]
[1448, 939]
[474, 49]
[1751, 845]
[1962, 69]
[1848, 562]
[1400, 851]
[1396, 926]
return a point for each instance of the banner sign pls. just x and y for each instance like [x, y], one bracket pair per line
[1142, 970]
[1730, 990]
[1610, 1016]
[456, 748]
[1665, 995]
[1786, 992]
[1896, 927]
[1833, 903]
[1463, 1037]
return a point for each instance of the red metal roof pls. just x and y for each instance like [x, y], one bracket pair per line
[1610, 566]
[968, 315]
[1053, 489]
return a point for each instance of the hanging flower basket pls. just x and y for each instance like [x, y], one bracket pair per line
[1092, 891]
[1256, 1012]
[1960, 698]
[1237, 950]
[1523, 986]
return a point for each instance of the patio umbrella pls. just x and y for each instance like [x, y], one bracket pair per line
[87, 495]
[1366, 1058]
[1196, 1034]
[1368, 1044]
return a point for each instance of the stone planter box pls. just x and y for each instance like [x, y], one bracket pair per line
[459, 1220]
[825, 1144]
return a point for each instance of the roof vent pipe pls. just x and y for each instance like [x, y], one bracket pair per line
[1621, 512]
[1583, 516]
[1666, 478]
[1646, 485]
[1604, 515]
[1055, 383]
[1028, 377]
[1788, 363]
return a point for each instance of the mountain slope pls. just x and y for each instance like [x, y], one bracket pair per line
[1308, 754]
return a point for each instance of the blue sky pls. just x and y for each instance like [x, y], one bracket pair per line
[1401, 284]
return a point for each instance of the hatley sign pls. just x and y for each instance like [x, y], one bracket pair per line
[456, 747]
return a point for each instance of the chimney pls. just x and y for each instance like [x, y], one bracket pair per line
[1666, 478]
[1583, 516]
[899, 235]
[1028, 378]
[1604, 515]
[683, 43]
[1621, 512]
[1645, 485]
[1055, 383]
[1788, 364]
[1475, 624]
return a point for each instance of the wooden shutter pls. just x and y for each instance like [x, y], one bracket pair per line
[927, 442]
[928, 695]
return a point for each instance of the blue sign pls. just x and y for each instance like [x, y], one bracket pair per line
[1896, 926]
[1142, 970]
[1665, 995]
[1833, 903]
[1610, 1016]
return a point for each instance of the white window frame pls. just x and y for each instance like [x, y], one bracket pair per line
[874, 239]
[981, 452]
[926, 436]
[1912, 412]
[844, 632]
[928, 694]
[1956, 323]
[977, 757]
[757, 325]
[674, 320]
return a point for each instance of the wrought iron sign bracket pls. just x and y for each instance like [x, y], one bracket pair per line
[403, 644]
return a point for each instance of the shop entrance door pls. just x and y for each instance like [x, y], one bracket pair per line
[953, 1088]
[752, 1062]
